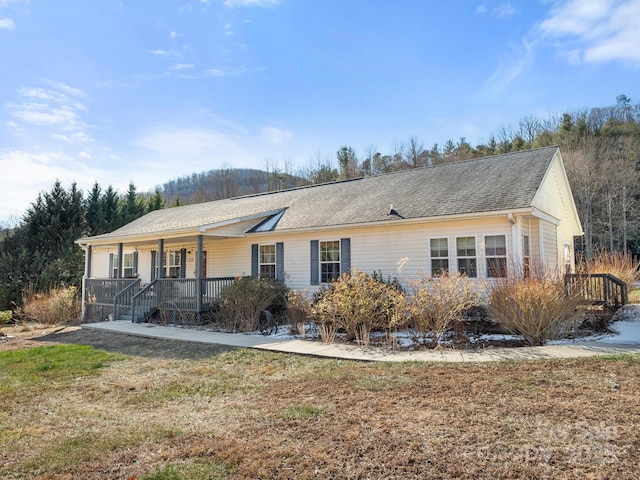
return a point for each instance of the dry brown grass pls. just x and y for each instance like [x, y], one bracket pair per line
[621, 265]
[198, 411]
[57, 306]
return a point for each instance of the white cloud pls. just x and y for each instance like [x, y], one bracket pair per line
[59, 107]
[251, 3]
[26, 174]
[275, 135]
[182, 66]
[504, 10]
[509, 69]
[595, 30]
[186, 142]
[7, 23]
[228, 71]
[481, 8]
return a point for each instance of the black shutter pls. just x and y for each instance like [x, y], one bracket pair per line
[345, 255]
[254, 260]
[315, 262]
[111, 265]
[280, 262]
[135, 264]
[153, 265]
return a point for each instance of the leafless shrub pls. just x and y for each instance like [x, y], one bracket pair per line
[537, 307]
[244, 299]
[359, 303]
[328, 330]
[299, 310]
[437, 305]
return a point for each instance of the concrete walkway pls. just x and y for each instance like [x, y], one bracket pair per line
[352, 352]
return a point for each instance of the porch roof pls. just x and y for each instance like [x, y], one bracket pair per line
[490, 184]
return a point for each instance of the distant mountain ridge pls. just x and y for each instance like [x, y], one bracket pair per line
[223, 183]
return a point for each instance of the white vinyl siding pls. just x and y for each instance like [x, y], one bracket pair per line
[554, 198]
[398, 251]
[551, 257]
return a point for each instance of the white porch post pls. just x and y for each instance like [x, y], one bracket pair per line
[517, 260]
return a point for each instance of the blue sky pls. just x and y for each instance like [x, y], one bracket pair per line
[147, 91]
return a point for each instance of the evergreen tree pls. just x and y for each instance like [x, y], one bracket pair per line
[156, 201]
[93, 211]
[110, 209]
[132, 207]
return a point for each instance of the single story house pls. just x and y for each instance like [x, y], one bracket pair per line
[484, 217]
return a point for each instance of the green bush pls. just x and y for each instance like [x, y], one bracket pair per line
[438, 304]
[358, 303]
[537, 307]
[5, 317]
[244, 299]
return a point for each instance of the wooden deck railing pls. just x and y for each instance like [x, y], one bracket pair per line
[103, 290]
[122, 302]
[599, 288]
[126, 298]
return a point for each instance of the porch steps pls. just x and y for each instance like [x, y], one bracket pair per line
[141, 316]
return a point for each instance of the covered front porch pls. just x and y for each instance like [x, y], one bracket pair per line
[187, 301]
[164, 280]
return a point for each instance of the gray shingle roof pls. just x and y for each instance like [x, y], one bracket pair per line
[497, 183]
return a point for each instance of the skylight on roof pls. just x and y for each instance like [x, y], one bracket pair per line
[270, 223]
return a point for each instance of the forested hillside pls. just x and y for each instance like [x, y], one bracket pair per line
[600, 146]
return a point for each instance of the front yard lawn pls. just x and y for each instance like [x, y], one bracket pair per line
[127, 407]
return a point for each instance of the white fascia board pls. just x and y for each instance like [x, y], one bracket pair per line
[171, 234]
[545, 216]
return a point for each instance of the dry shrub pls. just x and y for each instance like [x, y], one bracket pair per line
[299, 310]
[537, 307]
[619, 264]
[438, 304]
[358, 303]
[244, 299]
[55, 307]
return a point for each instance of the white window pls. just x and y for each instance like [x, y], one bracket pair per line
[439, 252]
[173, 265]
[114, 266]
[466, 253]
[127, 265]
[495, 247]
[329, 261]
[267, 261]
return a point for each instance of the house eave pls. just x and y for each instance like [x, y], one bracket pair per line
[404, 221]
[206, 230]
